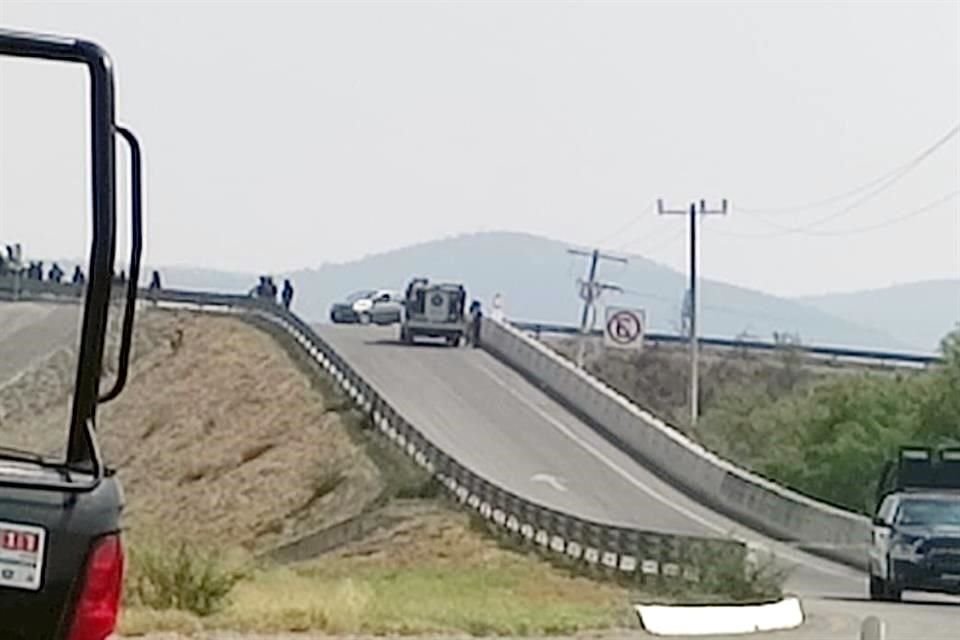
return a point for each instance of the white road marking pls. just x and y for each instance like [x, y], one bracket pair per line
[549, 479]
[623, 473]
[673, 620]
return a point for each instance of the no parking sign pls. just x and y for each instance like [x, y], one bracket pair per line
[624, 328]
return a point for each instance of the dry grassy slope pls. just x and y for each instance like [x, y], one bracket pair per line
[219, 436]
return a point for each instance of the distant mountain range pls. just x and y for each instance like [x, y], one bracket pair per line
[537, 279]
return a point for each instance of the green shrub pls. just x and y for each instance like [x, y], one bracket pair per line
[832, 440]
[180, 576]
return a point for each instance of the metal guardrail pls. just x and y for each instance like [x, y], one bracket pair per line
[889, 358]
[628, 551]
[623, 552]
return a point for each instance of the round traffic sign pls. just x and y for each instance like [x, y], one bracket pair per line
[624, 327]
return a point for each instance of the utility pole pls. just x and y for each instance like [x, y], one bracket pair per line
[590, 291]
[695, 212]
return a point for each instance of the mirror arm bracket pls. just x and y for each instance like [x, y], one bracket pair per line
[126, 340]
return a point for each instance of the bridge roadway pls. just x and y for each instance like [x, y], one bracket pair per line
[502, 427]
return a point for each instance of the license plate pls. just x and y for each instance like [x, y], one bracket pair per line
[21, 555]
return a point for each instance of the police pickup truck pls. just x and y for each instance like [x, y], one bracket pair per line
[916, 527]
[61, 553]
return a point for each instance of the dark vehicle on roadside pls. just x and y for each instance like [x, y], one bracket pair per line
[61, 553]
[372, 306]
[916, 527]
[434, 310]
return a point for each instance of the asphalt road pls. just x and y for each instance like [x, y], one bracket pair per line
[492, 420]
[29, 331]
[503, 428]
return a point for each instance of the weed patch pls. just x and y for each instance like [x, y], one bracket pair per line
[181, 577]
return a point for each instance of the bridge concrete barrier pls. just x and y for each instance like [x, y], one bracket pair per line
[774, 510]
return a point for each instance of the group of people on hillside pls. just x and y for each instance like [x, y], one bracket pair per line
[11, 262]
[267, 289]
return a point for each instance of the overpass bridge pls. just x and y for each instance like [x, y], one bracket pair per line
[492, 426]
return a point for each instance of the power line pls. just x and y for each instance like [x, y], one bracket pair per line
[627, 224]
[662, 235]
[886, 223]
[837, 214]
[892, 221]
[887, 179]
[666, 243]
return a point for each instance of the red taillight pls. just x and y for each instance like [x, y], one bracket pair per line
[98, 605]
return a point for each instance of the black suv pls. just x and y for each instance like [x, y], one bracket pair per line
[916, 527]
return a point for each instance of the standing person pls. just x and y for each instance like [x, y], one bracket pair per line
[14, 258]
[271, 289]
[476, 322]
[78, 277]
[56, 273]
[154, 287]
[287, 293]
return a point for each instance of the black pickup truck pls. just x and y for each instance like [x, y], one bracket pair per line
[916, 527]
[61, 552]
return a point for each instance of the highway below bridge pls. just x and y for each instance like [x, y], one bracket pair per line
[502, 427]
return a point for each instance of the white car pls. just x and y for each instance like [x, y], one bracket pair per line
[369, 306]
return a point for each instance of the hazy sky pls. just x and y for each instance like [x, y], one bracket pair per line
[283, 135]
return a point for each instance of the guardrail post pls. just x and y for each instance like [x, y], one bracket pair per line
[873, 628]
